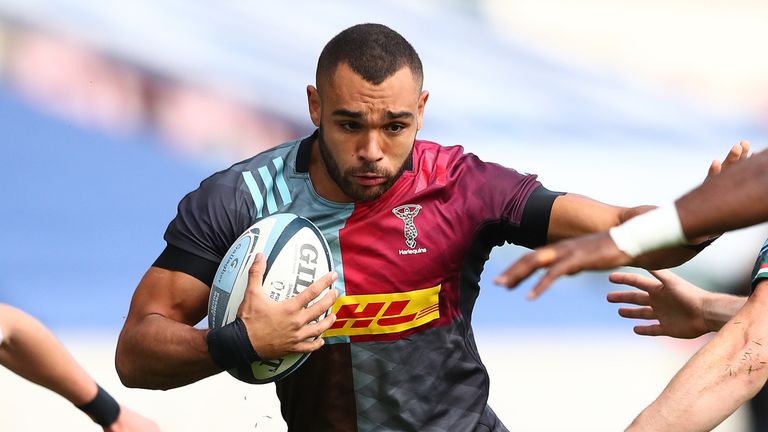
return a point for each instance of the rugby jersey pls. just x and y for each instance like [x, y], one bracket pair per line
[401, 355]
[760, 270]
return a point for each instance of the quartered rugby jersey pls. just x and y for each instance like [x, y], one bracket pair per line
[401, 355]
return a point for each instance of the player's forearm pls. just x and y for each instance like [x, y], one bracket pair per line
[32, 351]
[733, 199]
[159, 353]
[660, 259]
[718, 309]
[717, 380]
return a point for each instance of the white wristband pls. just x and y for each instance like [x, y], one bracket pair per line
[657, 229]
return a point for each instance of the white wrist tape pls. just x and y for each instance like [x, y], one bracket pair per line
[657, 229]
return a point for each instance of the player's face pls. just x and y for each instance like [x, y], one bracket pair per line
[366, 132]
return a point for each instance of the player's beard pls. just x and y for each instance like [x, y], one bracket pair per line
[344, 180]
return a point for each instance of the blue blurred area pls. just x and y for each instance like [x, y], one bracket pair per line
[83, 215]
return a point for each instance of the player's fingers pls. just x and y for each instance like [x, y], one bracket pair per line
[313, 290]
[649, 330]
[316, 329]
[317, 309]
[639, 298]
[644, 312]
[256, 275]
[525, 266]
[635, 280]
[549, 277]
[308, 345]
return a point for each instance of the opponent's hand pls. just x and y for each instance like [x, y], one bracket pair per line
[673, 302]
[737, 153]
[590, 252]
[278, 328]
[129, 421]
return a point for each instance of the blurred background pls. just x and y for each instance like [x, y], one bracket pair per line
[110, 112]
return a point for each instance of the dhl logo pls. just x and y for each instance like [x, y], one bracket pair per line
[366, 314]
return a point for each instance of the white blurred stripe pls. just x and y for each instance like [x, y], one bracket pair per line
[541, 381]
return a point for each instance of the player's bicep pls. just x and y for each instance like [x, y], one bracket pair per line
[574, 215]
[172, 294]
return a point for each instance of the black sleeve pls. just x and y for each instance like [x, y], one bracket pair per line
[207, 222]
[175, 259]
[534, 223]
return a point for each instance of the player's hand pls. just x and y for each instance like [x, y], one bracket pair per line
[278, 328]
[673, 302]
[737, 153]
[129, 421]
[590, 252]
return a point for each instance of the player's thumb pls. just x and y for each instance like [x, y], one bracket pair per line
[665, 276]
[256, 275]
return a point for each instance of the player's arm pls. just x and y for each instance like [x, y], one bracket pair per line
[160, 348]
[729, 200]
[30, 350]
[680, 308]
[727, 372]
[575, 215]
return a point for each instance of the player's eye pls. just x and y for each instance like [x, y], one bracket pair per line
[394, 127]
[350, 126]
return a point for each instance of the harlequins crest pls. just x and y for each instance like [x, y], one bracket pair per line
[407, 213]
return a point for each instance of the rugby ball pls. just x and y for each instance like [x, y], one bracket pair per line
[296, 254]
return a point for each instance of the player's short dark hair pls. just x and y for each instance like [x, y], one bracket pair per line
[373, 51]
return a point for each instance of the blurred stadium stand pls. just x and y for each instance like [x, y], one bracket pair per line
[184, 87]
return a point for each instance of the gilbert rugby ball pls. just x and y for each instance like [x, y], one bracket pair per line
[296, 253]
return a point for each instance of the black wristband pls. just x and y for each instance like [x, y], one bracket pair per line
[230, 346]
[103, 409]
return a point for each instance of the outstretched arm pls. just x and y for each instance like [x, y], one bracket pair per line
[681, 309]
[730, 200]
[31, 351]
[727, 372]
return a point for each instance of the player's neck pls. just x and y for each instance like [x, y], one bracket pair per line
[321, 180]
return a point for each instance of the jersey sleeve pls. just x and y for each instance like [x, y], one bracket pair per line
[760, 271]
[207, 222]
[516, 201]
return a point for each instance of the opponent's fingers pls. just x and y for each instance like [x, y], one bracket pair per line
[666, 277]
[525, 266]
[639, 298]
[734, 154]
[313, 290]
[635, 280]
[714, 168]
[644, 312]
[745, 146]
[649, 330]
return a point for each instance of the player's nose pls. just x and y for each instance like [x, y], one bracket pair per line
[370, 147]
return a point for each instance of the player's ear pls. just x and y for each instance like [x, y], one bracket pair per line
[422, 102]
[313, 100]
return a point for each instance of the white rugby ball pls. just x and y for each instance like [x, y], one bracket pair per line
[296, 253]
